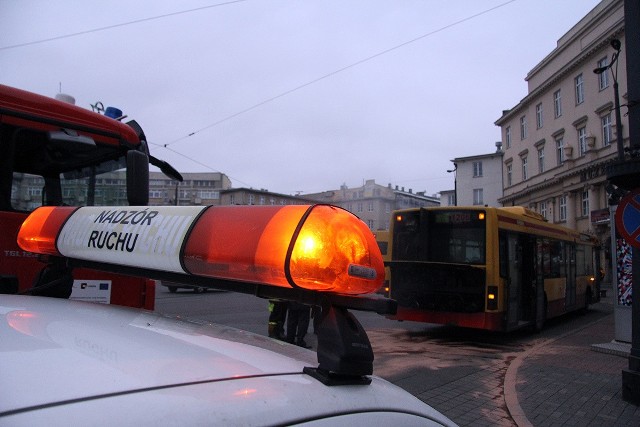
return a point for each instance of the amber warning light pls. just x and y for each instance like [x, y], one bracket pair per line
[314, 247]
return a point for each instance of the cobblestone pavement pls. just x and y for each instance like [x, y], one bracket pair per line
[556, 379]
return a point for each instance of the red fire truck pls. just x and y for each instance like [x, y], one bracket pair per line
[55, 153]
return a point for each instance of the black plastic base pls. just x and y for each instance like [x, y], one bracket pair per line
[631, 386]
[328, 378]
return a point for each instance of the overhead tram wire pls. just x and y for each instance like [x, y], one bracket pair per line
[200, 163]
[274, 97]
[340, 70]
[123, 24]
[166, 146]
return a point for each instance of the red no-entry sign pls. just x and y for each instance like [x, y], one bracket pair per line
[628, 218]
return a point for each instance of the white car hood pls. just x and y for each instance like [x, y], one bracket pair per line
[115, 349]
[73, 363]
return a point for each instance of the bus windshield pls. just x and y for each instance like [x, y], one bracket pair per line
[447, 236]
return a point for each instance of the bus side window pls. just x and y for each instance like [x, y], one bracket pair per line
[558, 258]
[503, 256]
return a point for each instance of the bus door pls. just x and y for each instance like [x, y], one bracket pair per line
[570, 295]
[521, 280]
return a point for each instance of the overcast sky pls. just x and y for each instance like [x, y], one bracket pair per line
[293, 96]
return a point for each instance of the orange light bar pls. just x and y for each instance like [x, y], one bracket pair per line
[316, 247]
[39, 231]
[319, 247]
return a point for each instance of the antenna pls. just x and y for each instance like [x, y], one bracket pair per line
[98, 107]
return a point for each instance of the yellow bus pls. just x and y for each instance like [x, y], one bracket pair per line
[496, 269]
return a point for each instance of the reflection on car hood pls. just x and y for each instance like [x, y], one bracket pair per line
[116, 349]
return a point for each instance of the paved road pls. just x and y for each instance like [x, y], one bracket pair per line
[459, 372]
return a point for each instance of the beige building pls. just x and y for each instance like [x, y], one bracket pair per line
[560, 138]
[373, 203]
[250, 196]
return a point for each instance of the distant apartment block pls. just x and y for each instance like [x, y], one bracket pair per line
[250, 196]
[197, 188]
[373, 203]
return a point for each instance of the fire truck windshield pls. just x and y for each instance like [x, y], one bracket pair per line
[97, 185]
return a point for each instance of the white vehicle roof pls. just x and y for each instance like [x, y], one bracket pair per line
[73, 363]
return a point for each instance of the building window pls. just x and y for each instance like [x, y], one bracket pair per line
[579, 89]
[523, 127]
[582, 140]
[525, 174]
[262, 200]
[543, 209]
[370, 223]
[477, 196]
[541, 159]
[208, 194]
[507, 136]
[477, 169]
[509, 174]
[557, 103]
[585, 202]
[252, 199]
[359, 206]
[451, 199]
[539, 116]
[370, 207]
[603, 78]
[563, 208]
[607, 134]
[560, 150]
[31, 191]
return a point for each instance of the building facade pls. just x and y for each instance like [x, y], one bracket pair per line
[250, 196]
[478, 181]
[373, 203]
[559, 139]
[197, 188]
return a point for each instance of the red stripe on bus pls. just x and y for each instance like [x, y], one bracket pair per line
[522, 222]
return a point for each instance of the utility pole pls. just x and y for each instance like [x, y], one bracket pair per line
[625, 174]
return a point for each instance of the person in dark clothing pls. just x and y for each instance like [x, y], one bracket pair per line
[277, 318]
[298, 323]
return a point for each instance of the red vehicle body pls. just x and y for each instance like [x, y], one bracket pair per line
[55, 153]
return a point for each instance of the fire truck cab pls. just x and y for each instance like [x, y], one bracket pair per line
[54, 153]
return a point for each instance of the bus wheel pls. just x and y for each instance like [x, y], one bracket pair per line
[173, 289]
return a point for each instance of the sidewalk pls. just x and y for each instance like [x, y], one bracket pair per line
[572, 380]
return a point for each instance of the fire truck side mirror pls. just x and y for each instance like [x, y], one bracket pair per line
[137, 178]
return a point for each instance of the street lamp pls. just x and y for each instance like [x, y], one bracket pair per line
[616, 45]
[455, 183]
